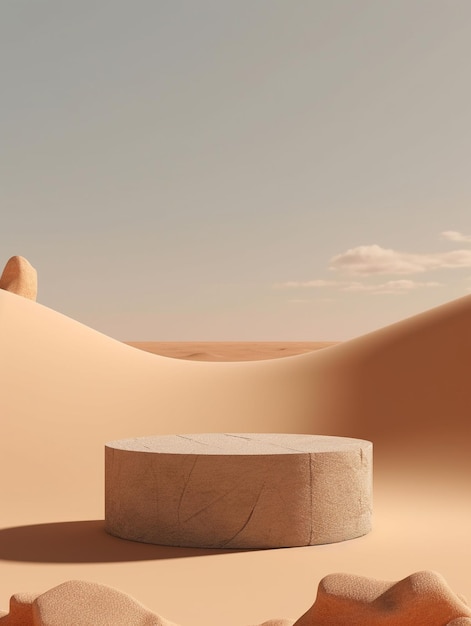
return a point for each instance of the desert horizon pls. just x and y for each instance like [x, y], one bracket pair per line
[241, 317]
[229, 350]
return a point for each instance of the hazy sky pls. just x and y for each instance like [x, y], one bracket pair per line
[237, 170]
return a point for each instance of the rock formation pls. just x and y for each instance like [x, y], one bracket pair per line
[422, 599]
[20, 277]
[79, 603]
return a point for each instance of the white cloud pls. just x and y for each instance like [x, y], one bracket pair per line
[374, 260]
[303, 301]
[454, 235]
[307, 283]
[356, 286]
[404, 286]
[391, 286]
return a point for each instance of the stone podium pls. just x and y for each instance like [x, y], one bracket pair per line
[238, 490]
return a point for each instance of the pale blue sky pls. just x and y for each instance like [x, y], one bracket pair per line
[237, 170]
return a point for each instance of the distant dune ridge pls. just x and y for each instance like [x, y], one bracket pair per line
[422, 599]
[230, 350]
[67, 389]
[20, 277]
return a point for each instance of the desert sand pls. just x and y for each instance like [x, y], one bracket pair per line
[230, 350]
[66, 390]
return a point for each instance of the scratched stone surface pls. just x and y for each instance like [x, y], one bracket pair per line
[238, 490]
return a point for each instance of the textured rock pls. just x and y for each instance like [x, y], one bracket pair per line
[238, 490]
[81, 603]
[21, 610]
[20, 277]
[422, 599]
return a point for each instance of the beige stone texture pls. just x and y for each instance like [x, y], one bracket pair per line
[82, 603]
[20, 277]
[422, 599]
[238, 490]
[79, 603]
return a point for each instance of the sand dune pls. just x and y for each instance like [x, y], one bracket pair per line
[230, 350]
[67, 389]
[404, 387]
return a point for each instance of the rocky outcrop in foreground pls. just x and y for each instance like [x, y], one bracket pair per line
[20, 277]
[79, 603]
[422, 599]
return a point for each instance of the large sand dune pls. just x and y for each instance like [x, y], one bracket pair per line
[67, 389]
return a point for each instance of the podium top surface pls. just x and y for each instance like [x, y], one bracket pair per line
[239, 444]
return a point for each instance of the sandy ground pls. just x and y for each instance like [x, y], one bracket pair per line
[230, 350]
[67, 389]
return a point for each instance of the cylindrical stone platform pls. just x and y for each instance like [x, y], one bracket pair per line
[238, 490]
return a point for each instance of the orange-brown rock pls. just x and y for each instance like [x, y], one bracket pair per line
[21, 610]
[82, 603]
[422, 599]
[79, 603]
[20, 277]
